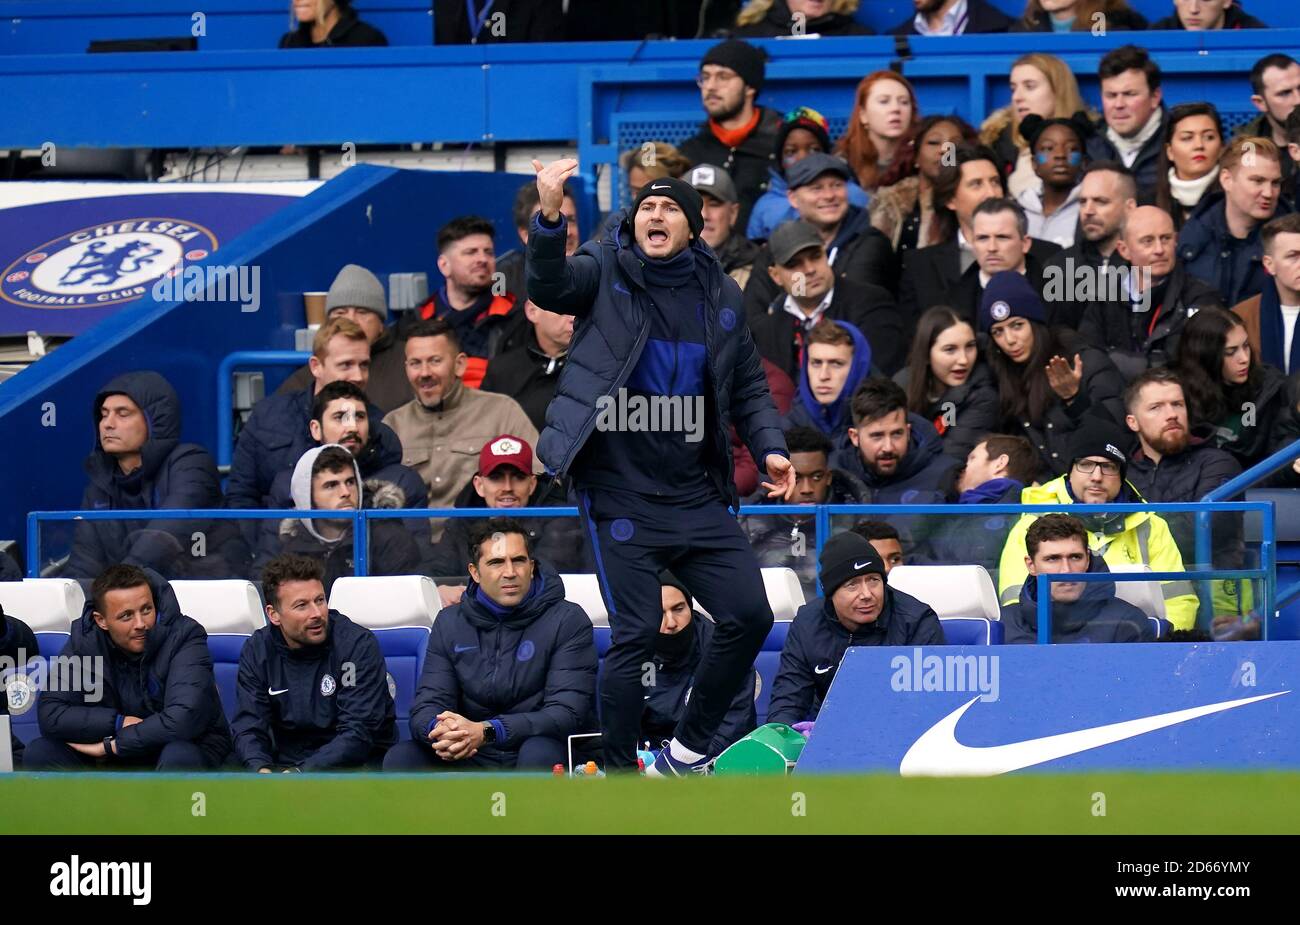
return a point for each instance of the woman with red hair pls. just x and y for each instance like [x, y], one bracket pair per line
[884, 117]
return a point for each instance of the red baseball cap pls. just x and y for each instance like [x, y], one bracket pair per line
[505, 450]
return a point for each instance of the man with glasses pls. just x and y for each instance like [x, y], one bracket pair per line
[1097, 476]
[740, 137]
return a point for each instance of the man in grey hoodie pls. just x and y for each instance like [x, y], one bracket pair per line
[328, 478]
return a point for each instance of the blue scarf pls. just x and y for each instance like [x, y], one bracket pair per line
[667, 273]
[501, 612]
[1272, 335]
[989, 492]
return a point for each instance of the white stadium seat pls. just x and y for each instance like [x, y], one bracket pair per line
[584, 590]
[47, 605]
[951, 590]
[226, 605]
[386, 602]
[1146, 596]
[784, 594]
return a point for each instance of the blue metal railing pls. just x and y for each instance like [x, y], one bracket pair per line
[1044, 603]
[820, 514]
[225, 397]
[1230, 489]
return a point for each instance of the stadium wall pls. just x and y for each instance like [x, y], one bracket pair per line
[378, 217]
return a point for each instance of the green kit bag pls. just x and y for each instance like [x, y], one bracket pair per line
[770, 749]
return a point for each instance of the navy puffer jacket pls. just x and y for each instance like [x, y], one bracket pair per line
[603, 285]
[171, 475]
[530, 671]
[170, 686]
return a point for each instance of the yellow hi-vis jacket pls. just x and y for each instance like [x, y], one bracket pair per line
[1144, 540]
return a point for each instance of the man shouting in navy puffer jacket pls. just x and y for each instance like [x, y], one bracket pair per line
[660, 366]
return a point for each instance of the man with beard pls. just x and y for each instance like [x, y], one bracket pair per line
[1107, 193]
[485, 323]
[327, 478]
[739, 136]
[1172, 466]
[1275, 92]
[313, 687]
[445, 425]
[341, 414]
[1139, 317]
[897, 455]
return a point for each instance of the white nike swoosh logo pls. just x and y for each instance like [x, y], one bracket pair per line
[661, 187]
[822, 670]
[277, 693]
[858, 565]
[937, 753]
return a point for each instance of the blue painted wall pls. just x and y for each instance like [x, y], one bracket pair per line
[381, 218]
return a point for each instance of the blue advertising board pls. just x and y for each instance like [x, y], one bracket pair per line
[976, 711]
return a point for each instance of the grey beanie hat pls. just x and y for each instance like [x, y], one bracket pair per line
[357, 287]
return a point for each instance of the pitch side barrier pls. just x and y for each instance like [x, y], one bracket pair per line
[1265, 573]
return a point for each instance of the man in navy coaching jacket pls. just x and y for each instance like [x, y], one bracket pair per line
[510, 672]
[859, 609]
[660, 365]
[313, 688]
[146, 696]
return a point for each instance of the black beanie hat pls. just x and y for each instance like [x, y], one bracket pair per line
[1097, 437]
[680, 192]
[745, 59]
[668, 579]
[845, 556]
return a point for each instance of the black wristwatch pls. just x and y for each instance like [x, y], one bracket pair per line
[110, 747]
[489, 734]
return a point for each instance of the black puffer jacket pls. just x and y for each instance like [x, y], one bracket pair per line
[1100, 393]
[1135, 341]
[171, 475]
[170, 686]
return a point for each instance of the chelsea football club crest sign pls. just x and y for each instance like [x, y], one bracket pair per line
[103, 265]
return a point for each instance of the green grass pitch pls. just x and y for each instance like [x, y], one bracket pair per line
[1133, 803]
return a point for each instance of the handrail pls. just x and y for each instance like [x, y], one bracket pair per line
[225, 401]
[1268, 545]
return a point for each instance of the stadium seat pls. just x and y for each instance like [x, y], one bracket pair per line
[972, 631]
[224, 649]
[951, 590]
[584, 590]
[388, 602]
[767, 663]
[222, 605]
[403, 648]
[44, 604]
[1146, 596]
[784, 593]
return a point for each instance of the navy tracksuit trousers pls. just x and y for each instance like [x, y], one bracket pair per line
[633, 539]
